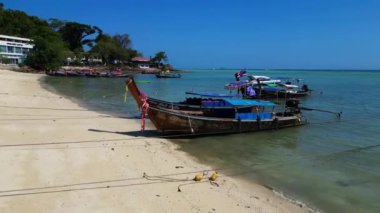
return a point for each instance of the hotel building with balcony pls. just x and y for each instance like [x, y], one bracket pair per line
[13, 49]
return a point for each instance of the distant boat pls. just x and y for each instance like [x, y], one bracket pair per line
[267, 88]
[66, 72]
[168, 75]
[262, 79]
[117, 73]
[149, 71]
[88, 73]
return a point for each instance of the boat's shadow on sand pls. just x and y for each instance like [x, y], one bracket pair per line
[145, 133]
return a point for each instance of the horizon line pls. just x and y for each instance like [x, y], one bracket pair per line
[284, 69]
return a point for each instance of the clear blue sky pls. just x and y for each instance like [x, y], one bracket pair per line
[336, 34]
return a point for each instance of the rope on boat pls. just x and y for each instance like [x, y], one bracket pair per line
[144, 111]
[338, 114]
[258, 120]
[275, 123]
[191, 128]
[126, 92]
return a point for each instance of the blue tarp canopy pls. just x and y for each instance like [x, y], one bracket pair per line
[244, 102]
[209, 94]
[273, 89]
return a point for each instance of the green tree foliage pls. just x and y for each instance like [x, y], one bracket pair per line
[76, 35]
[17, 23]
[48, 44]
[123, 40]
[4, 60]
[56, 24]
[55, 40]
[110, 50]
[47, 54]
[159, 57]
[134, 53]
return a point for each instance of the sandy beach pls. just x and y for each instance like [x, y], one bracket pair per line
[52, 160]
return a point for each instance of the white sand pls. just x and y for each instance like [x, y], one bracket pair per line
[51, 162]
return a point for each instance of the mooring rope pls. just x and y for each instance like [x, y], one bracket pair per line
[165, 178]
[72, 142]
[58, 118]
[64, 109]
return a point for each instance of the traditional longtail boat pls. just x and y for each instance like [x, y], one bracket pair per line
[205, 104]
[261, 116]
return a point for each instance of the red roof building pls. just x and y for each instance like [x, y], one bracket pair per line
[140, 59]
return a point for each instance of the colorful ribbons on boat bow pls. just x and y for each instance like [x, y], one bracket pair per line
[144, 110]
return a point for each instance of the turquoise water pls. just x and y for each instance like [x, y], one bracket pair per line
[331, 164]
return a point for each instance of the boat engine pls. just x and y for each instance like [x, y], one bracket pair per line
[305, 88]
[293, 103]
[292, 106]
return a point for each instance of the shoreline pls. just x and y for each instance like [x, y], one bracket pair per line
[54, 163]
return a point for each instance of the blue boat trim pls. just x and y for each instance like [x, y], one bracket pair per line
[253, 116]
[273, 89]
[209, 94]
[246, 102]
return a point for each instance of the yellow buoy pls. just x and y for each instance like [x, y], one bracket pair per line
[198, 177]
[214, 176]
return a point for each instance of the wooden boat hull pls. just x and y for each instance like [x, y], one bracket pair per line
[92, 75]
[192, 120]
[281, 94]
[172, 123]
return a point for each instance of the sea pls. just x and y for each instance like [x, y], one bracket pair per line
[331, 164]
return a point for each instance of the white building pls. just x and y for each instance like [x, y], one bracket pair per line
[141, 62]
[15, 49]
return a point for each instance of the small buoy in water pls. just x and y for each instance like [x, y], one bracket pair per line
[214, 176]
[198, 177]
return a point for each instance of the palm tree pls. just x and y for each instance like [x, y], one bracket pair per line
[159, 57]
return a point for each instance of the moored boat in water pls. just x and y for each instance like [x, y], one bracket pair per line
[170, 122]
[117, 73]
[256, 116]
[269, 89]
[206, 103]
[168, 75]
